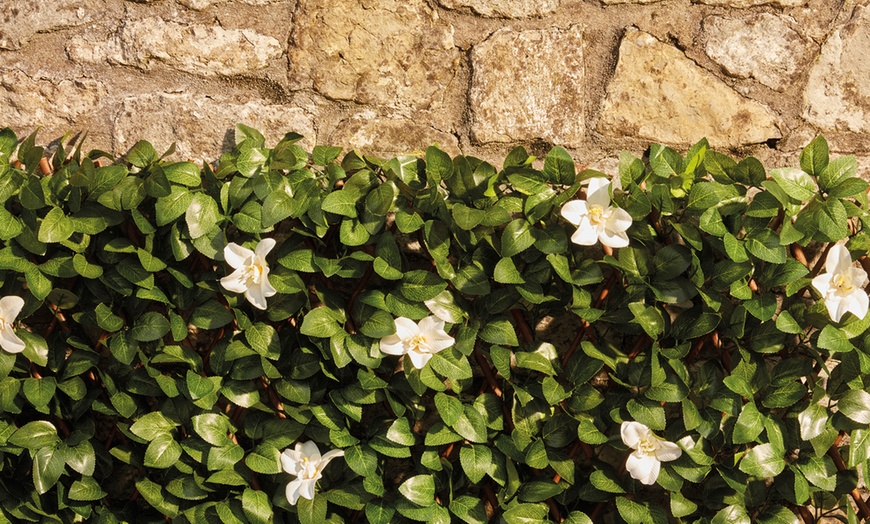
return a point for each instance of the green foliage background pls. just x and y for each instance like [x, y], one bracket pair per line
[147, 392]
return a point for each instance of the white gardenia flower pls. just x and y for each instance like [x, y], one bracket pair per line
[251, 275]
[305, 462]
[9, 309]
[596, 219]
[842, 286]
[418, 340]
[650, 451]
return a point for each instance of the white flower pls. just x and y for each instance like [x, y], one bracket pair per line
[9, 309]
[650, 451]
[306, 463]
[251, 275]
[596, 219]
[842, 286]
[418, 341]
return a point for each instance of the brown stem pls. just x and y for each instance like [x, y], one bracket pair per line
[490, 497]
[798, 253]
[523, 326]
[488, 374]
[642, 340]
[805, 514]
[834, 453]
[44, 166]
[821, 261]
[586, 328]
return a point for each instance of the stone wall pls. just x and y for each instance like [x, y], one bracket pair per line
[759, 77]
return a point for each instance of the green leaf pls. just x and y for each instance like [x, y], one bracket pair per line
[35, 347]
[35, 435]
[559, 167]
[476, 461]
[150, 326]
[525, 514]
[162, 452]
[855, 404]
[419, 489]
[419, 285]
[257, 506]
[47, 468]
[39, 391]
[796, 183]
[55, 227]
[86, 490]
[468, 509]
[341, 202]
[763, 461]
[212, 427]
[202, 215]
[814, 157]
[765, 245]
[606, 481]
[211, 315]
[151, 425]
[499, 331]
[516, 238]
[632, 512]
[749, 424]
[321, 323]
[142, 154]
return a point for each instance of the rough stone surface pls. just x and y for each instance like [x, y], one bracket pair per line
[528, 85]
[740, 4]
[381, 135]
[205, 4]
[198, 49]
[837, 96]
[658, 94]
[20, 20]
[392, 53]
[57, 107]
[763, 47]
[504, 8]
[203, 127]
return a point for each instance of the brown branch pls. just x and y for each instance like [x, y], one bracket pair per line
[834, 453]
[821, 261]
[798, 253]
[488, 374]
[525, 331]
[586, 329]
[44, 166]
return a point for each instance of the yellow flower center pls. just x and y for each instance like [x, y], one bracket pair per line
[254, 273]
[418, 342]
[596, 215]
[843, 282]
[646, 447]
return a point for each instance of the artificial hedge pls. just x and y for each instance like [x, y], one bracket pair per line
[284, 336]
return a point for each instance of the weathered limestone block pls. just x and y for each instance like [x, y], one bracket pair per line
[21, 19]
[203, 127]
[837, 96]
[751, 3]
[658, 94]
[384, 135]
[504, 8]
[761, 46]
[199, 49]
[57, 106]
[396, 54]
[528, 85]
[204, 4]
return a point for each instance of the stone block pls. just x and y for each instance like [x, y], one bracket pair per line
[761, 46]
[528, 85]
[504, 8]
[203, 127]
[375, 134]
[397, 54]
[198, 49]
[837, 96]
[21, 19]
[657, 93]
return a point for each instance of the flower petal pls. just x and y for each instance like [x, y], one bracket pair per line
[822, 283]
[631, 433]
[439, 341]
[618, 221]
[586, 234]
[406, 328]
[290, 461]
[393, 345]
[10, 307]
[419, 359]
[307, 488]
[644, 468]
[613, 239]
[236, 255]
[255, 296]
[838, 260]
[266, 286]
[837, 306]
[9, 341]
[264, 246]
[574, 210]
[859, 277]
[235, 281]
[329, 455]
[598, 192]
[292, 491]
[668, 451]
[430, 324]
[309, 449]
[858, 303]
